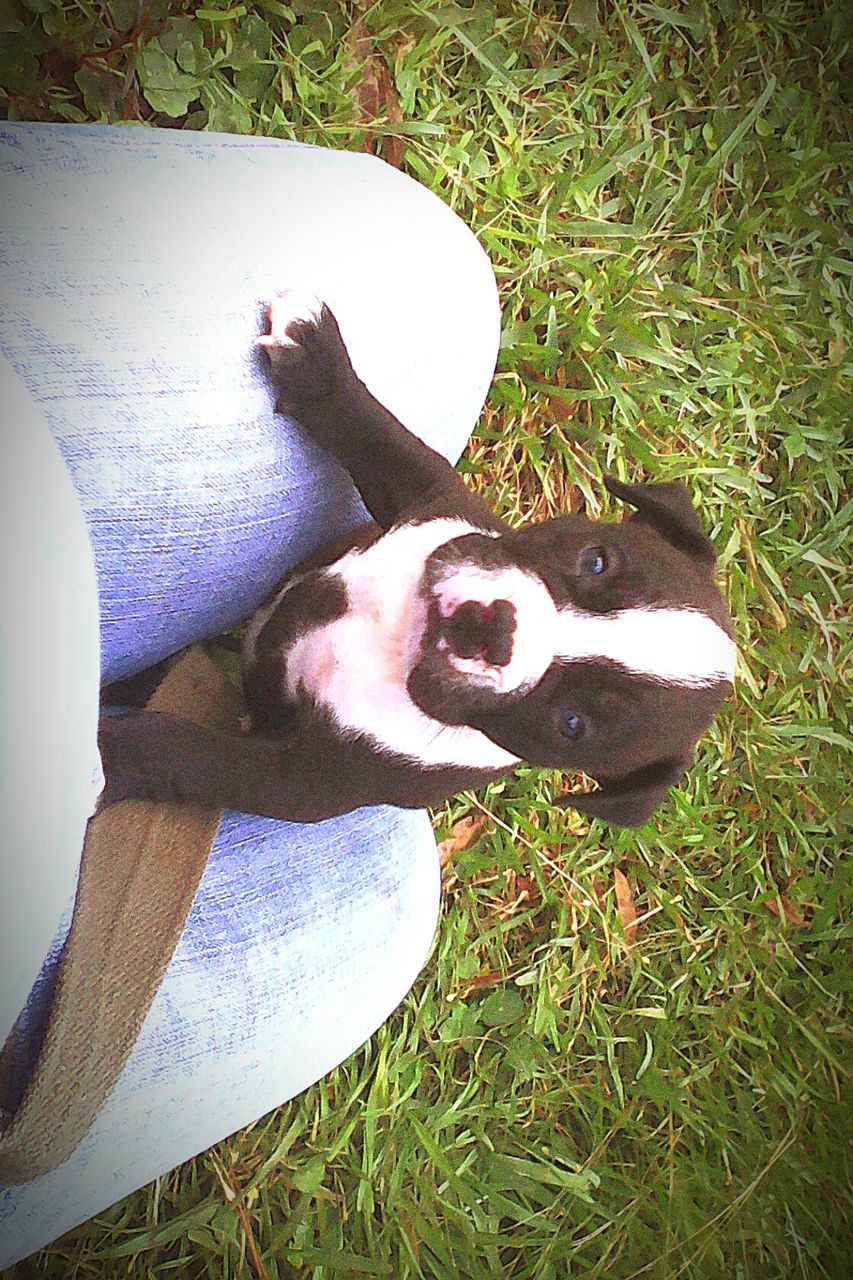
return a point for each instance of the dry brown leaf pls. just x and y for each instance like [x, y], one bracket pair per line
[494, 978]
[392, 145]
[374, 93]
[462, 834]
[560, 408]
[625, 906]
[786, 910]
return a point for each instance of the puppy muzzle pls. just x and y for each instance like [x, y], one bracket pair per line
[475, 630]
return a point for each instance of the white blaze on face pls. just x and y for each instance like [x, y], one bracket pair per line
[676, 646]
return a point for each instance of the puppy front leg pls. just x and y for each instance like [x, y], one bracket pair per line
[153, 755]
[396, 474]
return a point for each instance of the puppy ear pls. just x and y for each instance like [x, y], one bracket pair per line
[670, 512]
[628, 801]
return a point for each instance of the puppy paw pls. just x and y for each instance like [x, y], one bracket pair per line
[289, 314]
[304, 345]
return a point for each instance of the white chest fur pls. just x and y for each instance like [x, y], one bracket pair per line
[357, 666]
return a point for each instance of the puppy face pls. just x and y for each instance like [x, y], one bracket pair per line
[604, 648]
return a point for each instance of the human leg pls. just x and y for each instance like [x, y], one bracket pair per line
[133, 329]
[136, 263]
[301, 941]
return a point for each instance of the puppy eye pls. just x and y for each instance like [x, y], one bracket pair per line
[593, 561]
[571, 725]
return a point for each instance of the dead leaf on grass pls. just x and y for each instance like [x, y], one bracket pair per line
[786, 911]
[493, 978]
[463, 833]
[625, 906]
[374, 94]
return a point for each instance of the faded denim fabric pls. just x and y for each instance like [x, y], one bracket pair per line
[134, 265]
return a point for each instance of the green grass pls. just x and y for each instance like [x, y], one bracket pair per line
[661, 190]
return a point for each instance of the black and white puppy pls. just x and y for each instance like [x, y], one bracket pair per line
[440, 647]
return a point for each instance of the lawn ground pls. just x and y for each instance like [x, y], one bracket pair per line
[627, 1056]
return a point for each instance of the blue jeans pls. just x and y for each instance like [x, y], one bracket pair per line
[134, 267]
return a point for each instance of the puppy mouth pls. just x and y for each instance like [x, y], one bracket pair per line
[485, 631]
[463, 657]
[473, 635]
[478, 637]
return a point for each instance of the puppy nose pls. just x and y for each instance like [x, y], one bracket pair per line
[484, 631]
